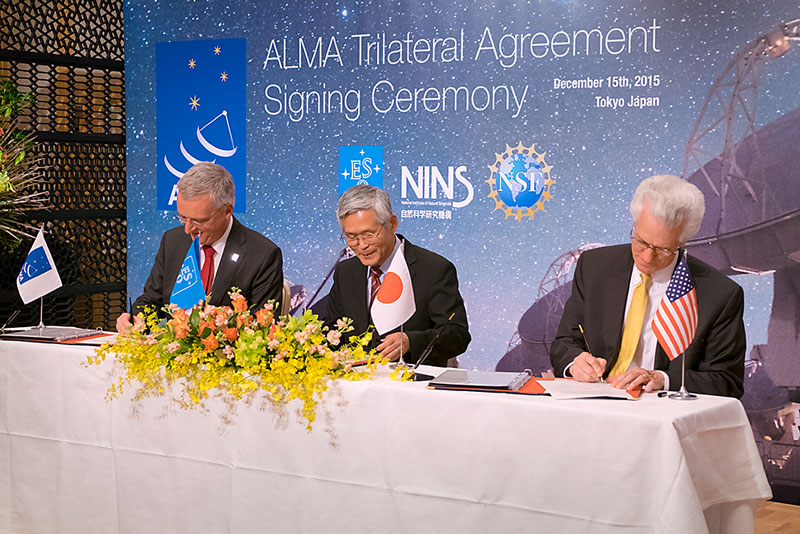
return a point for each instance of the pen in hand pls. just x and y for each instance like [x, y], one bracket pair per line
[588, 348]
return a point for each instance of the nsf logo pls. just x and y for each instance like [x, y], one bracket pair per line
[360, 165]
[520, 181]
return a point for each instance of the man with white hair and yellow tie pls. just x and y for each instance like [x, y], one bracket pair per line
[607, 329]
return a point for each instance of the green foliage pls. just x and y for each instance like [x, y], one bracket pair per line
[20, 169]
[12, 101]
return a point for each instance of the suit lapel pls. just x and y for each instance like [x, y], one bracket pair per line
[234, 248]
[410, 254]
[360, 292]
[615, 299]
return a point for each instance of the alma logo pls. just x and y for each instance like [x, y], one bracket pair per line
[428, 182]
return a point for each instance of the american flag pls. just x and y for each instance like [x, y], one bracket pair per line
[676, 319]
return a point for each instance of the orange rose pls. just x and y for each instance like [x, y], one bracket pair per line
[264, 317]
[180, 315]
[181, 330]
[204, 325]
[231, 333]
[239, 302]
[272, 331]
[210, 343]
[241, 320]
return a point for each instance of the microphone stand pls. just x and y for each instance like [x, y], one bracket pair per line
[310, 301]
[418, 377]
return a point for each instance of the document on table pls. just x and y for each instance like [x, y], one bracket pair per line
[572, 389]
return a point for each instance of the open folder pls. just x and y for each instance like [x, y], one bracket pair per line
[464, 380]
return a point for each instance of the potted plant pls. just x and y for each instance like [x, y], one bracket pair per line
[20, 169]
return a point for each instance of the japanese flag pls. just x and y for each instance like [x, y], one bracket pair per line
[394, 302]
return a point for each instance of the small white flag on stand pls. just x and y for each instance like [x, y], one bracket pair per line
[394, 303]
[38, 275]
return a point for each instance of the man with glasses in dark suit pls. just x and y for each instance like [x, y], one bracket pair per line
[365, 215]
[231, 255]
[617, 291]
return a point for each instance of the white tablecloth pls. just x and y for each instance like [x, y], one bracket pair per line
[405, 459]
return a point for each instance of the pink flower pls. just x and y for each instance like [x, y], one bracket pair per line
[228, 351]
[172, 347]
[219, 320]
[150, 339]
[311, 328]
[273, 344]
[301, 337]
[334, 336]
[182, 359]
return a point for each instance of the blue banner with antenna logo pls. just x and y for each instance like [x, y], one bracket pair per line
[201, 112]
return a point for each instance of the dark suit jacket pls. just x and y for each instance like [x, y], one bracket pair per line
[258, 271]
[435, 294]
[714, 360]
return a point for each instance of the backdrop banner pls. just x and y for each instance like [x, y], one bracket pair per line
[509, 136]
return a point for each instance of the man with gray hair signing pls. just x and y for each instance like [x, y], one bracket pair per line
[616, 293]
[231, 255]
[365, 215]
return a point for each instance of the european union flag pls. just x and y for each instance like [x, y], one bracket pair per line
[38, 275]
[360, 164]
[188, 289]
[200, 112]
[35, 265]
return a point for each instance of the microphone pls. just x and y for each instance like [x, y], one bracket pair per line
[425, 353]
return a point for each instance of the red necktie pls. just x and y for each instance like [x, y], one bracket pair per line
[207, 272]
[374, 283]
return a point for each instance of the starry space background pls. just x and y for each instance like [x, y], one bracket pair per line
[598, 154]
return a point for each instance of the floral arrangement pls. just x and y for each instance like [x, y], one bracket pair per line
[20, 170]
[236, 353]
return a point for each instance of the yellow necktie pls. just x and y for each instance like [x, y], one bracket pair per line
[633, 326]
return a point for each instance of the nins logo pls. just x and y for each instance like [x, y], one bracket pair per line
[520, 181]
[429, 184]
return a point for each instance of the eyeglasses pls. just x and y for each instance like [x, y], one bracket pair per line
[368, 237]
[197, 223]
[641, 244]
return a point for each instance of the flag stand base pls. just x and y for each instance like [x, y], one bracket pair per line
[682, 394]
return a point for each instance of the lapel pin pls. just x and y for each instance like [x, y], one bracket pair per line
[235, 257]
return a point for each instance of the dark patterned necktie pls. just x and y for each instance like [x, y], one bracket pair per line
[374, 283]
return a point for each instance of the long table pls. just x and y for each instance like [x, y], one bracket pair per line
[384, 457]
